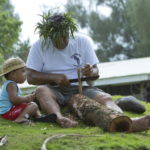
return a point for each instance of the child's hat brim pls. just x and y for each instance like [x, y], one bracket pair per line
[12, 64]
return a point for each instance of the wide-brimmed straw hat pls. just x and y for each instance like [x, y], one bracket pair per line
[12, 64]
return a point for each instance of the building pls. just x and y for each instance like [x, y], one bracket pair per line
[127, 77]
[27, 88]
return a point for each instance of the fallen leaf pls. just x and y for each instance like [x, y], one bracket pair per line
[2, 140]
[87, 127]
[32, 124]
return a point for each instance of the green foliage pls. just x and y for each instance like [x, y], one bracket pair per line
[9, 31]
[122, 35]
[138, 12]
[10, 8]
[79, 10]
[22, 49]
[10, 28]
[33, 137]
[55, 32]
[1, 62]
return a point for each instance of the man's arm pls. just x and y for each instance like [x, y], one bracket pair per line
[89, 70]
[39, 78]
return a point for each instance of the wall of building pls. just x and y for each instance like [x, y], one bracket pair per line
[139, 90]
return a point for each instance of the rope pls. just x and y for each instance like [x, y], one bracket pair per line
[59, 136]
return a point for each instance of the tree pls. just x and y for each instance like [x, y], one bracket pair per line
[17, 48]
[9, 31]
[22, 49]
[10, 8]
[139, 13]
[122, 35]
[10, 28]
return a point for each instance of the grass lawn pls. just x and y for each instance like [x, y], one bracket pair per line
[32, 138]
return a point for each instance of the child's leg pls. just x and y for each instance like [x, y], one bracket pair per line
[31, 109]
[18, 112]
[38, 114]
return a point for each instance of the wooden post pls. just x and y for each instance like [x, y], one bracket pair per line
[80, 83]
[95, 114]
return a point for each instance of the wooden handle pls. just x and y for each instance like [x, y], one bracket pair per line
[80, 83]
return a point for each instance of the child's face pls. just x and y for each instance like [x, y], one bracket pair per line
[20, 75]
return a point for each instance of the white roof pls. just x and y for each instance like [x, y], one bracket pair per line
[25, 85]
[127, 71]
[27, 88]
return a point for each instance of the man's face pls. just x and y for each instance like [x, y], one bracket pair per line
[64, 43]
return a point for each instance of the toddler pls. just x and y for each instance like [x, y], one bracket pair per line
[13, 106]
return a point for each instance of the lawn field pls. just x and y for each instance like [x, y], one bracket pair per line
[87, 138]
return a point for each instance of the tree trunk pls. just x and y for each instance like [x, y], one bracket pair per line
[95, 114]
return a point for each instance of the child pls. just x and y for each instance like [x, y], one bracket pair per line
[13, 106]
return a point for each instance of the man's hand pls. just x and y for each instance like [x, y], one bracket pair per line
[87, 70]
[61, 80]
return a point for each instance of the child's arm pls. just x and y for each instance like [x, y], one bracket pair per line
[14, 98]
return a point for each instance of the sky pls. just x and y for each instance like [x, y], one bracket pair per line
[28, 11]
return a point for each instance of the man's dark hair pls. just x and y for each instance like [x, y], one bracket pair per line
[55, 26]
[55, 19]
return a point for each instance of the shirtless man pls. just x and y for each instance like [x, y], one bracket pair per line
[55, 58]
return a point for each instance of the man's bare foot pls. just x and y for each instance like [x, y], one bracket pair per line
[67, 123]
[141, 124]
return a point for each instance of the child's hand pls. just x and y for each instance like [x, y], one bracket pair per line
[30, 98]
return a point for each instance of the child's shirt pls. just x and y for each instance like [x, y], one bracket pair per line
[5, 104]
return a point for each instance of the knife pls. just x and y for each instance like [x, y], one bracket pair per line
[82, 79]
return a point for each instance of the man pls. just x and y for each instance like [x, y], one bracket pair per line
[55, 58]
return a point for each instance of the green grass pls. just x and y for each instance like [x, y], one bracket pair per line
[32, 138]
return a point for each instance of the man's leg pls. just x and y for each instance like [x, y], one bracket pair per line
[48, 103]
[141, 124]
[37, 113]
[106, 100]
[138, 124]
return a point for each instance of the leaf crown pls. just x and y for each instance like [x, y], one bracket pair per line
[56, 26]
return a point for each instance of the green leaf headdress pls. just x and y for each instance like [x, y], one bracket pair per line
[55, 26]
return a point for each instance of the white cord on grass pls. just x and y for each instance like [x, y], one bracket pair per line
[59, 136]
